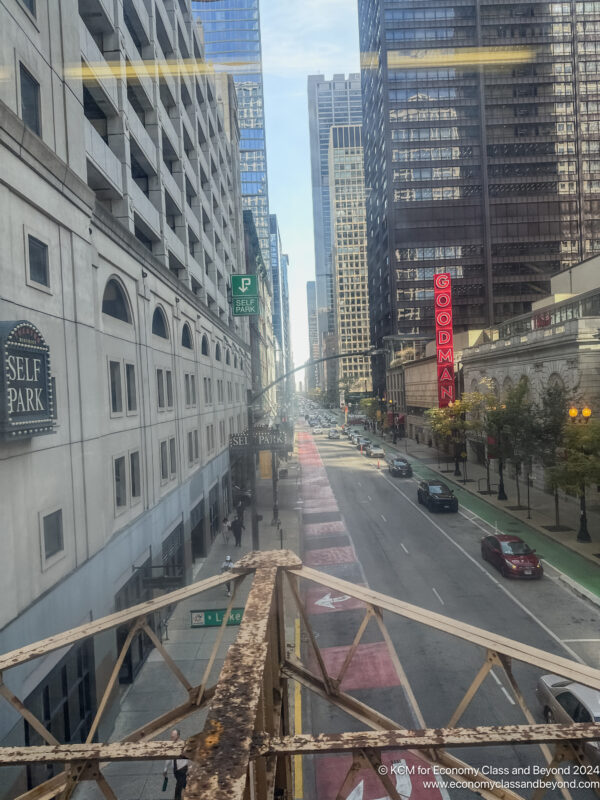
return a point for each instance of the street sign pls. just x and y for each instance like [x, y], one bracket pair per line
[244, 306]
[213, 617]
[268, 439]
[244, 286]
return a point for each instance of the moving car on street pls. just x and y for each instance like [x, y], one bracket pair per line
[511, 556]
[399, 467]
[362, 443]
[565, 702]
[333, 434]
[436, 496]
[375, 451]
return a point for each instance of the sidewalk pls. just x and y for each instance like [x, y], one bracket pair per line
[155, 689]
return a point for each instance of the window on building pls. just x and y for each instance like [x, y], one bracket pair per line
[208, 447]
[114, 301]
[30, 101]
[169, 377]
[186, 337]
[120, 483]
[190, 444]
[29, 5]
[186, 380]
[53, 533]
[172, 456]
[160, 387]
[116, 392]
[164, 462]
[134, 469]
[159, 324]
[196, 446]
[38, 261]
[218, 352]
[205, 349]
[131, 388]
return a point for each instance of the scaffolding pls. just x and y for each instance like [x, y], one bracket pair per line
[247, 744]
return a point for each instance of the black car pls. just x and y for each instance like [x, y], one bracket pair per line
[436, 496]
[399, 467]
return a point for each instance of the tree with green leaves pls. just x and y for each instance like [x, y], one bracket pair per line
[369, 406]
[554, 404]
[453, 422]
[578, 466]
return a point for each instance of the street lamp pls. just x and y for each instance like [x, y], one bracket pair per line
[583, 535]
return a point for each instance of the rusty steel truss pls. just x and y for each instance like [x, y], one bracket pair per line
[247, 743]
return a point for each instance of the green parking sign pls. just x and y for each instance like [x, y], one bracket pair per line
[212, 617]
[244, 286]
[244, 306]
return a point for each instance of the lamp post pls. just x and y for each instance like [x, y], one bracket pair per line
[583, 535]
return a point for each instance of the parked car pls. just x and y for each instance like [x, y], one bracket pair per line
[565, 702]
[375, 451]
[362, 443]
[512, 556]
[333, 434]
[399, 467]
[317, 430]
[436, 496]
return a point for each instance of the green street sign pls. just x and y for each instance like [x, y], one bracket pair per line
[244, 286]
[213, 617]
[244, 306]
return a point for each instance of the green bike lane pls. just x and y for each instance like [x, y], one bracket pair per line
[570, 563]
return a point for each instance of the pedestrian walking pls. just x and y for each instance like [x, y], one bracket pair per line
[227, 566]
[237, 526]
[225, 530]
[180, 768]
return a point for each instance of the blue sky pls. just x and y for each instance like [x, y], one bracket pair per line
[299, 38]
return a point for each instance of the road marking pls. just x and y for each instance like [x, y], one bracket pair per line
[437, 594]
[383, 518]
[404, 548]
[581, 640]
[495, 677]
[329, 602]
[508, 697]
[521, 605]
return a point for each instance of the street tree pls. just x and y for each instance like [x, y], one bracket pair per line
[369, 406]
[523, 421]
[578, 466]
[554, 403]
[453, 423]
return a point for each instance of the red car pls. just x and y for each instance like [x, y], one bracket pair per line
[512, 556]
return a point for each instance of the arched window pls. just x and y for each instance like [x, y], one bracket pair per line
[114, 302]
[159, 323]
[228, 358]
[218, 352]
[186, 337]
[241, 363]
[474, 385]
[556, 381]
[205, 350]
[507, 386]
[235, 360]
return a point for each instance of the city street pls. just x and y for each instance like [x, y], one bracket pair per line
[433, 561]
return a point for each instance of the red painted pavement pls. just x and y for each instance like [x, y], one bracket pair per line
[371, 666]
[329, 555]
[324, 528]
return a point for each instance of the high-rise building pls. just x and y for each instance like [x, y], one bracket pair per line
[276, 282]
[285, 310]
[349, 257]
[311, 376]
[330, 102]
[232, 42]
[483, 172]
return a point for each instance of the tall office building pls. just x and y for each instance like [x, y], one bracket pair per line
[330, 102]
[285, 312]
[311, 375]
[349, 257]
[276, 281]
[232, 43]
[484, 172]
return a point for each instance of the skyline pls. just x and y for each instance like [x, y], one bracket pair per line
[298, 41]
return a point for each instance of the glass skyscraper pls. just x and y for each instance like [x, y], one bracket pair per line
[232, 43]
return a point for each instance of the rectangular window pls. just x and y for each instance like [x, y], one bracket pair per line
[53, 534]
[134, 468]
[190, 444]
[205, 390]
[164, 462]
[208, 439]
[30, 101]
[186, 379]
[120, 483]
[196, 446]
[116, 393]
[172, 457]
[160, 385]
[210, 396]
[38, 261]
[193, 390]
[169, 375]
[131, 390]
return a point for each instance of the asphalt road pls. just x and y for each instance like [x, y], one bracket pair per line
[434, 561]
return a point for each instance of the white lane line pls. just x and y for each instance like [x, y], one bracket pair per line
[404, 548]
[383, 518]
[523, 607]
[437, 594]
[581, 640]
[495, 677]
[508, 697]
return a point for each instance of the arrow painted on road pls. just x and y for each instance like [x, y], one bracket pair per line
[403, 784]
[329, 602]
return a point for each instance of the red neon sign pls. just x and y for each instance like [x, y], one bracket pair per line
[444, 338]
